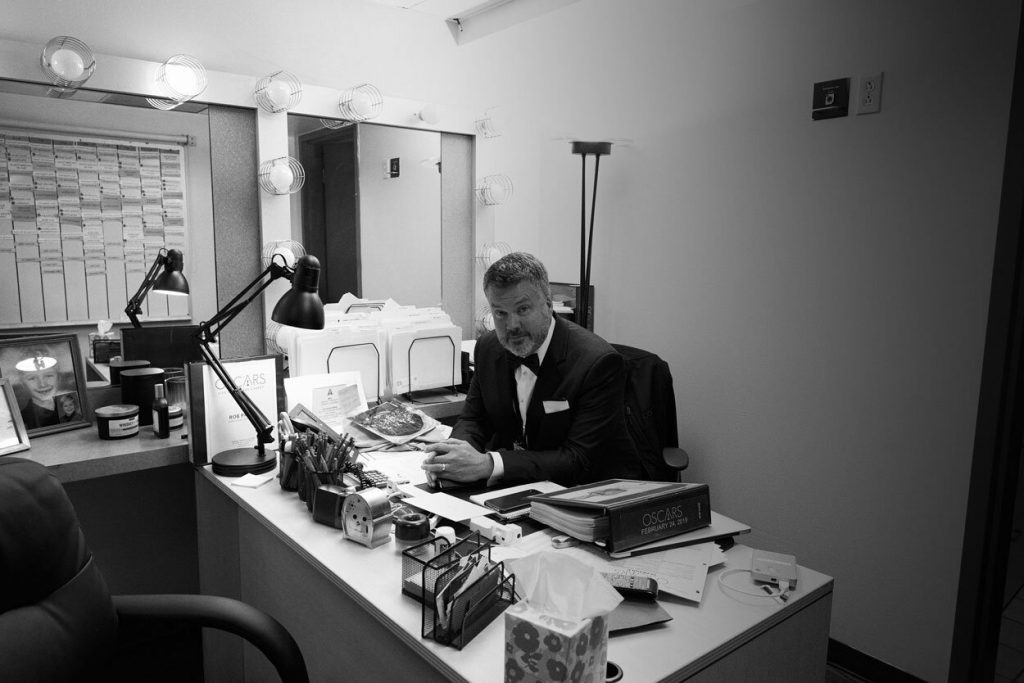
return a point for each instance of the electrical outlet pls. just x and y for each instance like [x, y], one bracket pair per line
[869, 97]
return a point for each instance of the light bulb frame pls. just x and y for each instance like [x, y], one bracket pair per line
[294, 167]
[487, 249]
[172, 97]
[486, 126]
[57, 79]
[487, 192]
[349, 113]
[262, 92]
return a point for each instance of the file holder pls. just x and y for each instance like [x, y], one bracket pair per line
[434, 564]
[456, 360]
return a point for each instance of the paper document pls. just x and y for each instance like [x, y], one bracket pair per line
[681, 572]
[399, 466]
[331, 397]
[446, 506]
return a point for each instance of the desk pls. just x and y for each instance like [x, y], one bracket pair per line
[80, 454]
[343, 603]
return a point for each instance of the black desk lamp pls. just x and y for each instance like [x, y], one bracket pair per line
[299, 307]
[171, 281]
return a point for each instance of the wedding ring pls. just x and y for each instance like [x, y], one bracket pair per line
[443, 466]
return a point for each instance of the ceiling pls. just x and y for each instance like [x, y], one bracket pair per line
[443, 9]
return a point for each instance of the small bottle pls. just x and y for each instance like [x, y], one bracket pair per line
[161, 413]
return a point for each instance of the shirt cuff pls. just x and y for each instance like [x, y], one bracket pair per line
[499, 468]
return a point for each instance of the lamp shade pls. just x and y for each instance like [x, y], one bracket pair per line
[301, 306]
[172, 281]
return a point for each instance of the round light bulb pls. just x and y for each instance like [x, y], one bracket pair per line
[181, 80]
[285, 253]
[278, 93]
[281, 177]
[497, 192]
[67, 64]
[429, 114]
[361, 104]
[492, 254]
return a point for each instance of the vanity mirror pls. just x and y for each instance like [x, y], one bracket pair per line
[390, 209]
[101, 182]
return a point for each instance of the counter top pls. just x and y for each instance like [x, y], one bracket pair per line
[80, 453]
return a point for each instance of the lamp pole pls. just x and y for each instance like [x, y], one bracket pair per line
[597, 149]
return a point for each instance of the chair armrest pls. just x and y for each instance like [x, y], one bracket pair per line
[676, 459]
[226, 614]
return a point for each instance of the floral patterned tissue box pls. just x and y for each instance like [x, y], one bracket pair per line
[544, 647]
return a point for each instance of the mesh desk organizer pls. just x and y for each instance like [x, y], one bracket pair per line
[432, 567]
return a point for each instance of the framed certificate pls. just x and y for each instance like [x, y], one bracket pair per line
[13, 436]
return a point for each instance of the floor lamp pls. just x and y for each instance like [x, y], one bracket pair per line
[597, 149]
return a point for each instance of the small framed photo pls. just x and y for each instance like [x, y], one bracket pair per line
[47, 375]
[13, 437]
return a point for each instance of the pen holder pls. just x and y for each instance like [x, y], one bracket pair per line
[309, 480]
[290, 471]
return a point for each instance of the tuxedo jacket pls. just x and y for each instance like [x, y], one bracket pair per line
[575, 425]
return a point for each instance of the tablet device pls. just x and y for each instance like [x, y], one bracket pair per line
[511, 502]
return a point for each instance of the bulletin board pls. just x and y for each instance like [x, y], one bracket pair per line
[81, 221]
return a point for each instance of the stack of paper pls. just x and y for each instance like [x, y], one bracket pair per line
[584, 524]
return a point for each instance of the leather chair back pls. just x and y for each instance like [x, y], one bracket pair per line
[57, 619]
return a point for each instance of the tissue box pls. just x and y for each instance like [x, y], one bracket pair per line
[544, 647]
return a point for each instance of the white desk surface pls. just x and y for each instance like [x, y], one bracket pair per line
[81, 454]
[697, 636]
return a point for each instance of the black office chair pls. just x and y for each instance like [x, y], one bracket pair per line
[651, 414]
[58, 622]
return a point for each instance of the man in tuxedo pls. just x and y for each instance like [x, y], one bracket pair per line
[547, 396]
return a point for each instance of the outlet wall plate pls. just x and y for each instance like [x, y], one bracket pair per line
[869, 94]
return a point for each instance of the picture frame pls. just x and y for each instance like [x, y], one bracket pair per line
[13, 436]
[47, 377]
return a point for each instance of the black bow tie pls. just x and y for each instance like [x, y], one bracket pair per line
[532, 362]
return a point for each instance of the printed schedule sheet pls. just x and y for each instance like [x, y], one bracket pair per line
[81, 221]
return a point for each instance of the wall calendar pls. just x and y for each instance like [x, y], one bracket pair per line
[81, 221]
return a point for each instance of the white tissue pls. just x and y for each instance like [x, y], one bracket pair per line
[559, 584]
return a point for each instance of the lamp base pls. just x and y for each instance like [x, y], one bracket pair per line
[241, 461]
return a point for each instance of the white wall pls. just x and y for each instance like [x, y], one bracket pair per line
[819, 288]
[400, 218]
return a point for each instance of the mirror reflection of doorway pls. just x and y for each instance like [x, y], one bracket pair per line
[389, 211]
[330, 198]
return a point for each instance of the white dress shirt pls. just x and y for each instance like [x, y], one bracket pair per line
[525, 381]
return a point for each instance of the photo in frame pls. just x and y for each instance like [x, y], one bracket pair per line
[47, 376]
[13, 437]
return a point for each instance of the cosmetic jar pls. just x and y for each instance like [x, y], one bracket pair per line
[118, 421]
